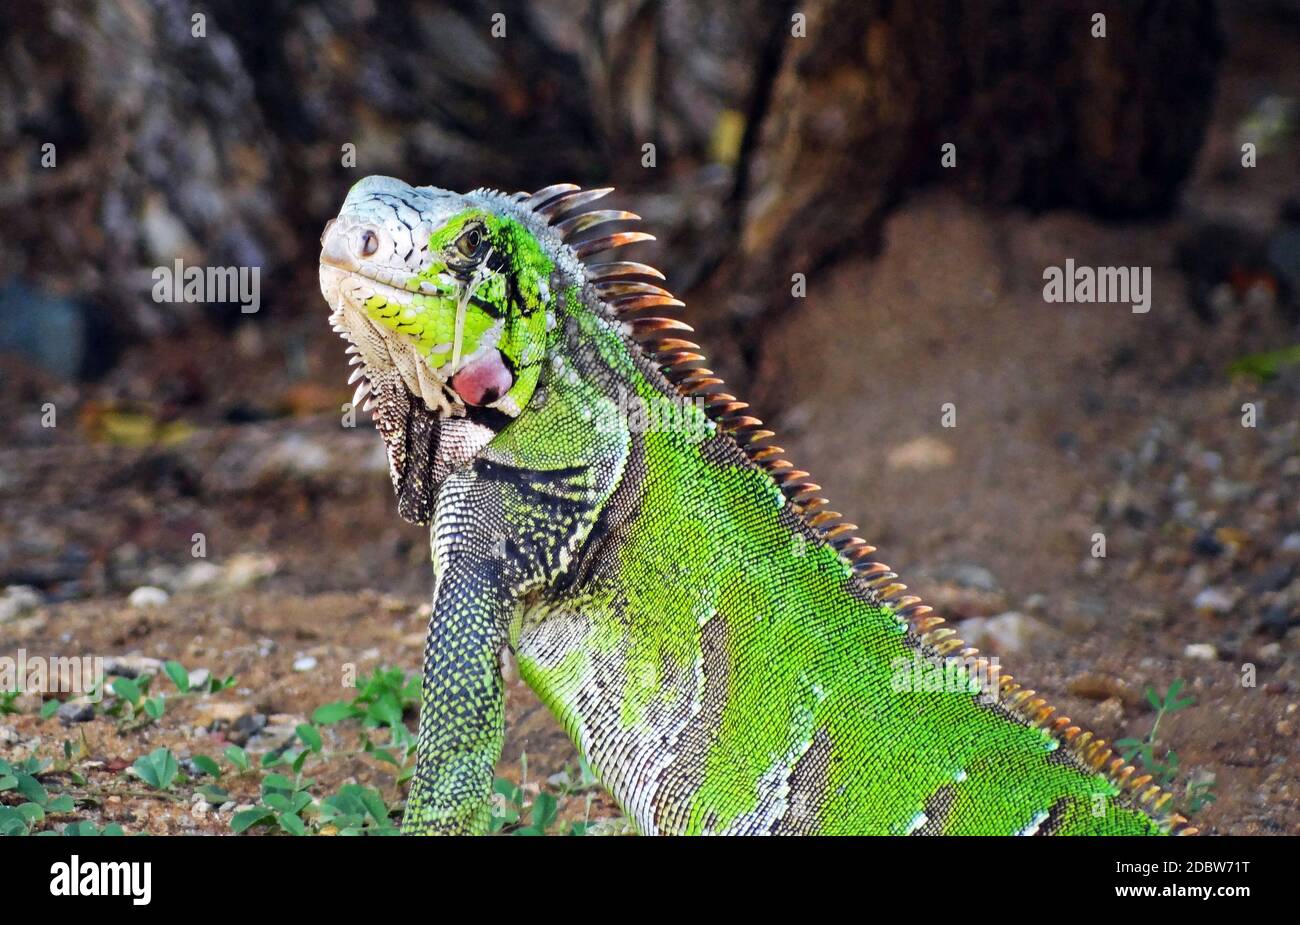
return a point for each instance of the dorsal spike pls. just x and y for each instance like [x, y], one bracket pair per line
[723, 409]
[676, 343]
[703, 372]
[742, 422]
[612, 269]
[703, 386]
[579, 223]
[547, 193]
[615, 288]
[677, 357]
[679, 367]
[635, 303]
[797, 491]
[565, 203]
[651, 326]
[609, 242]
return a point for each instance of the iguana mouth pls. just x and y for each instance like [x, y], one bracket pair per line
[375, 351]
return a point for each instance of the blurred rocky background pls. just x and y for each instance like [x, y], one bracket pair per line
[788, 138]
[225, 147]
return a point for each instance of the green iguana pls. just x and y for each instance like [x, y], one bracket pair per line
[726, 654]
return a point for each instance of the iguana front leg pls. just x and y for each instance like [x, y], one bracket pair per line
[500, 530]
[462, 710]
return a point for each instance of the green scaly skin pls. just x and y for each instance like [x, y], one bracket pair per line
[723, 664]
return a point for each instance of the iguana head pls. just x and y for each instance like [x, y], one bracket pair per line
[444, 300]
[448, 303]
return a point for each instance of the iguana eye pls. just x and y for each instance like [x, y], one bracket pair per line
[469, 243]
[369, 243]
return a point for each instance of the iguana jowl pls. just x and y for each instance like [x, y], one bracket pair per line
[723, 650]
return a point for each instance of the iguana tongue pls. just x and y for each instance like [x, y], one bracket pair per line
[483, 380]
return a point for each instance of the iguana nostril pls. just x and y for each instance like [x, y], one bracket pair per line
[369, 243]
[335, 248]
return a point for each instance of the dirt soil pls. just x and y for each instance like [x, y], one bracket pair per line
[1071, 421]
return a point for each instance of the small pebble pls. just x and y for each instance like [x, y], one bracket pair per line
[148, 596]
[1202, 651]
[1097, 686]
[245, 570]
[969, 576]
[1110, 711]
[1274, 578]
[304, 663]
[220, 713]
[1215, 600]
[1271, 653]
[131, 666]
[1207, 544]
[18, 600]
[75, 711]
[1004, 634]
[920, 454]
[201, 574]
[247, 726]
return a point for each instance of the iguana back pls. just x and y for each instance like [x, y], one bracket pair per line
[726, 654]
